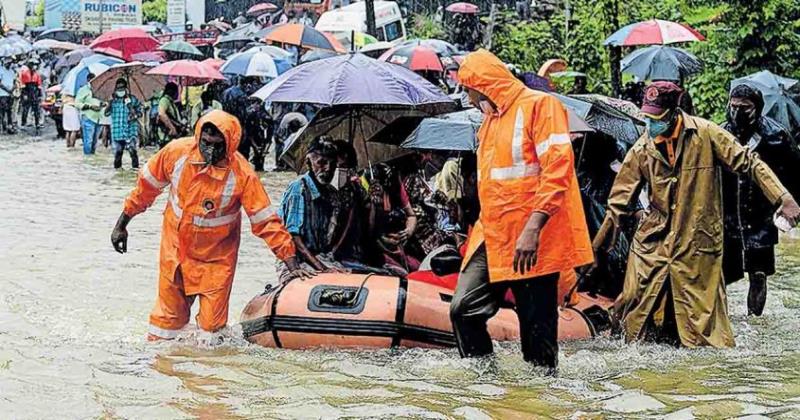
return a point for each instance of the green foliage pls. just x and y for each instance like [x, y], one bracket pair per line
[743, 36]
[154, 11]
[37, 19]
[425, 26]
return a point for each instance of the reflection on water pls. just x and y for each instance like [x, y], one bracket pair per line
[73, 315]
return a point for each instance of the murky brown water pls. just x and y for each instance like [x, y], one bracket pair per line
[73, 315]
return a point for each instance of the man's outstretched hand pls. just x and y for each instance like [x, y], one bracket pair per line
[119, 236]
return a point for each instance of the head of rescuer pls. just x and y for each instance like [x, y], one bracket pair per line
[531, 227]
[209, 185]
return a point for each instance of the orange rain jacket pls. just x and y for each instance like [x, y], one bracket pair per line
[202, 219]
[525, 165]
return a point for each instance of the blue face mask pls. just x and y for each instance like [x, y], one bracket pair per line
[656, 128]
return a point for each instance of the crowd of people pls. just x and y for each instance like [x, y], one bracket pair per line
[536, 205]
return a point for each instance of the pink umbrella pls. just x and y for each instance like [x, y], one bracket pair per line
[190, 72]
[654, 32]
[464, 8]
[261, 8]
[149, 57]
[214, 63]
[123, 43]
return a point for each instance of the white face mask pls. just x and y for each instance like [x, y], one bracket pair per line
[120, 93]
[340, 177]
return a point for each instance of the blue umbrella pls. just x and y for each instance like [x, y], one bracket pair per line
[78, 76]
[360, 96]
[661, 63]
[14, 45]
[251, 63]
[778, 104]
[284, 60]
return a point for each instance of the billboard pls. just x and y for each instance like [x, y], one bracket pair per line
[102, 15]
[176, 15]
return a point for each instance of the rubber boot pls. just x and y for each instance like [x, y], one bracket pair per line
[118, 159]
[757, 296]
[134, 159]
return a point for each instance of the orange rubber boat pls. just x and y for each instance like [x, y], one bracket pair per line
[371, 311]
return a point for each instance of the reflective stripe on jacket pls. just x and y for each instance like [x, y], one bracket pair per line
[525, 165]
[202, 219]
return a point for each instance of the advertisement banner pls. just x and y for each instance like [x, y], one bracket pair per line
[176, 15]
[103, 15]
[13, 14]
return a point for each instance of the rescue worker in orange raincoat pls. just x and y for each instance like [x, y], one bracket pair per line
[209, 184]
[531, 225]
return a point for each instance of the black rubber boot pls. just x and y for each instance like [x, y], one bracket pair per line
[118, 159]
[134, 159]
[757, 296]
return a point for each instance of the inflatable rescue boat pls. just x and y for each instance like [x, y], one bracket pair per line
[371, 311]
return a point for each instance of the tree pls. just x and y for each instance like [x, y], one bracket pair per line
[154, 11]
[37, 18]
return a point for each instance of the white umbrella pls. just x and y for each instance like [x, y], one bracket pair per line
[250, 64]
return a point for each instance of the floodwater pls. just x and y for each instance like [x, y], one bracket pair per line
[73, 316]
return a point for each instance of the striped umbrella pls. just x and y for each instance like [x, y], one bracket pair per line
[250, 64]
[654, 32]
[302, 36]
[78, 77]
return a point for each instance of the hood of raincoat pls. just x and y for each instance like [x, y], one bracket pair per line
[484, 72]
[227, 124]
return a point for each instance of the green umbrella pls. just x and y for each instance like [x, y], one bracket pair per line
[181, 47]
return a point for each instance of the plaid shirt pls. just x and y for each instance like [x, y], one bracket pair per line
[306, 212]
[124, 126]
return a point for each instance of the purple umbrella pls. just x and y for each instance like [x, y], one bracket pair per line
[359, 96]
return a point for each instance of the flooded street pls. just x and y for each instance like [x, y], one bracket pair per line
[73, 317]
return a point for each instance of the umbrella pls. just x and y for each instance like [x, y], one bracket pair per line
[778, 104]
[52, 44]
[603, 118]
[567, 74]
[302, 36]
[149, 57]
[182, 48]
[124, 43]
[140, 84]
[190, 72]
[360, 39]
[14, 45]
[314, 55]
[653, 32]
[283, 59]
[58, 34]
[72, 58]
[262, 8]
[661, 63]
[443, 48]
[377, 49]
[464, 8]
[78, 76]
[452, 131]
[250, 64]
[414, 57]
[214, 63]
[361, 96]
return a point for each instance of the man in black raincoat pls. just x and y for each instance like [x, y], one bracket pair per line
[750, 233]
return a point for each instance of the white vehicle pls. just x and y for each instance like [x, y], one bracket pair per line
[342, 22]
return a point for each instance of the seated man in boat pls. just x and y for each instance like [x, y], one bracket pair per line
[307, 208]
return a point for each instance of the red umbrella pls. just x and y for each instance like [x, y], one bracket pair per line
[414, 57]
[123, 43]
[262, 8]
[464, 8]
[654, 32]
[190, 72]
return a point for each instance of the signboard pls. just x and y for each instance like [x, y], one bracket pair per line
[176, 15]
[196, 12]
[13, 14]
[102, 15]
